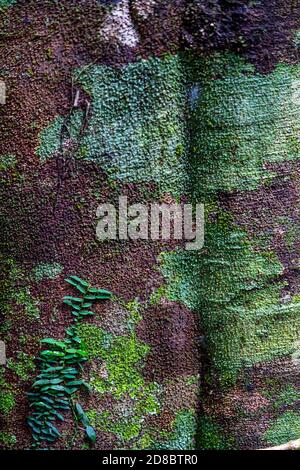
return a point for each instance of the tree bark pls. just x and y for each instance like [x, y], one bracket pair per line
[158, 101]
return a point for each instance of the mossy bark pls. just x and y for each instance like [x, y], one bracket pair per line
[176, 101]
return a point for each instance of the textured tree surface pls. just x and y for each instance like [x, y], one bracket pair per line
[180, 100]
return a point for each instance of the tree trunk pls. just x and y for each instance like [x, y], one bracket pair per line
[162, 102]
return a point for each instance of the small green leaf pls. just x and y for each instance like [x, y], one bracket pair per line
[75, 382]
[71, 390]
[94, 290]
[54, 429]
[81, 281]
[41, 382]
[73, 299]
[52, 353]
[76, 285]
[53, 369]
[97, 297]
[87, 386]
[91, 434]
[53, 342]
[58, 415]
[77, 340]
[57, 388]
[70, 370]
[72, 304]
[41, 404]
[79, 410]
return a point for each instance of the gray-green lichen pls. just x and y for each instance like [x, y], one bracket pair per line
[137, 129]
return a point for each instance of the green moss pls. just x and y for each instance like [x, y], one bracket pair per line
[157, 295]
[6, 3]
[121, 378]
[24, 339]
[7, 161]
[23, 366]
[7, 400]
[145, 441]
[234, 141]
[95, 340]
[126, 429]
[7, 439]
[121, 360]
[15, 291]
[121, 355]
[22, 297]
[284, 429]
[236, 290]
[211, 436]
[290, 395]
[134, 308]
[183, 435]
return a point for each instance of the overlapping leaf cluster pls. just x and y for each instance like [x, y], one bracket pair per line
[61, 365]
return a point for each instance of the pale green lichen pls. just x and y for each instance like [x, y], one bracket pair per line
[212, 437]
[47, 271]
[16, 292]
[284, 429]
[232, 143]
[289, 396]
[138, 114]
[120, 377]
[6, 3]
[7, 396]
[183, 435]
[7, 439]
[237, 293]
[22, 366]
[7, 161]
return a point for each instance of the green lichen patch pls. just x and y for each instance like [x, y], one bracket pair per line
[183, 435]
[6, 3]
[8, 172]
[7, 402]
[212, 437]
[121, 355]
[137, 131]
[281, 396]
[7, 396]
[284, 429]
[7, 161]
[236, 291]
[47, 271]
[22, 366]
[257, 123]
[16, 292]
[289, 396]
[23, 298]
[120, 377]
[7, 439]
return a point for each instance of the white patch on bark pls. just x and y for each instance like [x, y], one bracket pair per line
[144, 9]
[2, 92]
[2, 353]
[119, 27]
